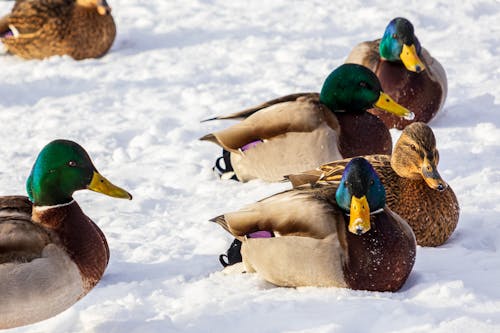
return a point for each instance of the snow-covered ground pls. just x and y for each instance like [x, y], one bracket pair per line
[137, 111]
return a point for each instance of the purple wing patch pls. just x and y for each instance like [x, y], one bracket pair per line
[251, 145]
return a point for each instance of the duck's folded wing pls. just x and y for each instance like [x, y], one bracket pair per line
[4, 24]
[248, 112]
[20, 239]
[303, 114]
[309, 213]
[366, 54]
[436, 71]
[28, 17]
[331, 173]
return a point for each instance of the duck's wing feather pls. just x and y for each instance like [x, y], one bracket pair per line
[366, 54]
[20, 239]
[15, 203]
[307, 212]
[248, 112]
[303, 114]
[28, 17]
[436, 71]
[4, 24]
[331, 173]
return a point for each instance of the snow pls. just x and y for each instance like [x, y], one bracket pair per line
[137, 111]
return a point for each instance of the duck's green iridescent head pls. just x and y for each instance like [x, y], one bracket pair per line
[399, 43]
[63, 167]
[352, 87]
[359, 193]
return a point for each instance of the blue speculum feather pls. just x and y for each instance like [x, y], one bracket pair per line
[360, 179]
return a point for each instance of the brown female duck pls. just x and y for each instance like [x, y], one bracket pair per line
[301, 131]
[51, 253]
[406, 71]
[37, 29]
[313, 242]
[415, 190]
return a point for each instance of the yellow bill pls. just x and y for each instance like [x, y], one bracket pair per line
[432, 177]
[359, 221]
[386, 103]
[410, 59]
[104, 186]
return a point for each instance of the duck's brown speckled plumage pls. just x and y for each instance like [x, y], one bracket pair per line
[432, 214]
[58, 27]
[423, 93]
[314, 247]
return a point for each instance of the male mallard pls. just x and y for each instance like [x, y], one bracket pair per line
[300, 131]
[51, 253]
[415, 190]
[406, 71]
[340, 236]
[37, 29]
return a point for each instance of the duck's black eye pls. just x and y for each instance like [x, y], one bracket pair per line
[72, 164]
[394, 36]
[413, 147]
[372, 182]
[346, 183]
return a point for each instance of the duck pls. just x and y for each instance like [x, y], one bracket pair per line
[37, 29]
[415, 189]
[334, 235]
[406, 71]
[301, 131]
[51, 253]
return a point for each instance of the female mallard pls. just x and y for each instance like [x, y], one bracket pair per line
[340, 236]
[406, 71]
[37, 29]
[415, 190]
[51, 253]
[301, 131]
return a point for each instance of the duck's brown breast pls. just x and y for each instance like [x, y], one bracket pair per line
[81, 239]
[382, 258]
[362, 133]
[432, 215]
[90, 35]
[418, 92]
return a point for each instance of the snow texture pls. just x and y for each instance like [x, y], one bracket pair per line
[137, 111]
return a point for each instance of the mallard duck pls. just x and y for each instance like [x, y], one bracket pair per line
[37, 29]
[298, 132]
[328, 236]
[415, 190]
[51, 253]
[406, 71]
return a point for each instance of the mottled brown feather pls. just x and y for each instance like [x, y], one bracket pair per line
[59, 27]
[433, 215]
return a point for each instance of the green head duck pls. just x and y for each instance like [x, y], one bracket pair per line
[360, 193]
[61, 168]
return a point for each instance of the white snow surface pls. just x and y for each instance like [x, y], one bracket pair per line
[137, 111]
